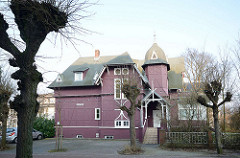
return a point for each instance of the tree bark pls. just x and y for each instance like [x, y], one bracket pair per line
[217, 130]
[5, 111]
[27, 113]
[132, 131]
[4, 128]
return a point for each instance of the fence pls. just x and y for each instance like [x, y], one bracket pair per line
[187, 137]
[229, 139]
[198, 138]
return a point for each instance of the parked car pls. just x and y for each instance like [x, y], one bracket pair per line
[11, 135]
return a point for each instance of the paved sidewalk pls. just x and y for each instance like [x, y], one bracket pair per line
[80, 148]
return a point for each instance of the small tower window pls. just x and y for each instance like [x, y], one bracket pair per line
[154, 55]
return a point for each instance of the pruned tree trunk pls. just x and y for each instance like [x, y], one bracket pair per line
[35, 19]
[217, 131]
[4, 97]
[26, 107]
[132, 131]
[4, 127]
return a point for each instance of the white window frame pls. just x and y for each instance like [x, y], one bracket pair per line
[97, 135]
[115, 69]
[122, 96]
[97, 114]
[52, 100]
[78, 76]
[59, 78]
[79, 136]
[108, 137]
[125, 69]
[154, 54]
[121, 124]
[199, 114]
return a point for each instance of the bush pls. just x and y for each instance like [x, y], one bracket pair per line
[128, 150]
[45, 125]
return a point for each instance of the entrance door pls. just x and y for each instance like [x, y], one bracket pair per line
[156, 118]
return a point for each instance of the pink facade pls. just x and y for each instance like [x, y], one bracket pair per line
[157, 76]
[89, 108]
[76, 108]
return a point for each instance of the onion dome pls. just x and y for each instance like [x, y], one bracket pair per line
[155, 55]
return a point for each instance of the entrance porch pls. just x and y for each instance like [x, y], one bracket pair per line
[154, 114]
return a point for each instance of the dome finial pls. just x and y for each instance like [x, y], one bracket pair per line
[154, 37]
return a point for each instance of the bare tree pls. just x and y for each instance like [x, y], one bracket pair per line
[35, 19]
[209, 77]
[131, 90]
[235, 117]
[196, 64]
[213, 87]
[236, 52]
[6, 90]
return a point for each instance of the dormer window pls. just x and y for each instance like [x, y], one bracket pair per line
[78, 76]
[78, 73]
[59, 78]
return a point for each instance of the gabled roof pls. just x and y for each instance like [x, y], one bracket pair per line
[123, 59]
[152, 93]
[68, 76]
[93, 69]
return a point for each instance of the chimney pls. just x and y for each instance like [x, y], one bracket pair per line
[97, 54]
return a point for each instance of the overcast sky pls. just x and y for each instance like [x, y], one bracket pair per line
[129, 25]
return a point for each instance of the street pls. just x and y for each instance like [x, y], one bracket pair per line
[81, 148]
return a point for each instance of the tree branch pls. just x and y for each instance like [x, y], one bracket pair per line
[5, 42]
[203, 102]
[227, 99]
[124, 108]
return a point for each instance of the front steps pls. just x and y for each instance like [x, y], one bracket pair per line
[151, 136]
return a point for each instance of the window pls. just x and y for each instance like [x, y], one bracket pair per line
[121, 71]
[79, 136]
[97, 113]
[97, 135]
[108, 137]
[122, 123]
[52, 100]
[117, 71]
[46, 101]
[125, 71]
[154, 55]
[117, 88]
[78, 76]
[188, 112]
[59, 78]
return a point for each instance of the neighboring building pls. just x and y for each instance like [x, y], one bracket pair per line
[46, 109]
[47, 105]
[88, 94]
[12, 118]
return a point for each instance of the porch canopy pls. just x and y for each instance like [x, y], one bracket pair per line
[151, 97]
